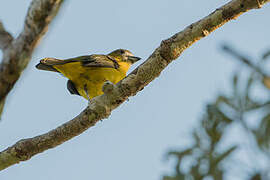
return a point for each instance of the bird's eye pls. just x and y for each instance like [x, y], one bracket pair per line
[122, 51]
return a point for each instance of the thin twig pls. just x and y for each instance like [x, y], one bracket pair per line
[244, 59]
[5, 37]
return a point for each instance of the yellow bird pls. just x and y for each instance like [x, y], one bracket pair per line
[87, 74]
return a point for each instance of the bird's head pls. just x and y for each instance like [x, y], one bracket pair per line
[124, 56]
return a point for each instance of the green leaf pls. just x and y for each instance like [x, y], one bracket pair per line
[262, 134]
[235, 84]
[177, 177]
[180, 154]
[266, 55]
[224, 155]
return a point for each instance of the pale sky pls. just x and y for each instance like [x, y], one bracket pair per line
[132, 143]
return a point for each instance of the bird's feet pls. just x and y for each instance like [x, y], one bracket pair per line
[86, 92]
[108, 87]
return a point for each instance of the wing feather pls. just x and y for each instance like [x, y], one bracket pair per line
[87, 61]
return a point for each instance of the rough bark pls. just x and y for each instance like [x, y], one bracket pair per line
[17, 52]
[5, 37]
[114, 95]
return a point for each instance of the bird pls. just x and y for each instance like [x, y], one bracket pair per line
[87, 74]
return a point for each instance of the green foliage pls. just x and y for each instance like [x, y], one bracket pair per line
[205, 158]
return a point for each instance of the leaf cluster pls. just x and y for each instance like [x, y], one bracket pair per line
[207, 157]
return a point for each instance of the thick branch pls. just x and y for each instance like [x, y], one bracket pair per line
[17, 55]
[5, 37]
[115, 95]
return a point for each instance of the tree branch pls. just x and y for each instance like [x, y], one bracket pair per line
[115, 95]
[17, 53]
[243, 59]
[5, 37]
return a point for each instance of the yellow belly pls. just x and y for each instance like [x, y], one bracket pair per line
[92, 78]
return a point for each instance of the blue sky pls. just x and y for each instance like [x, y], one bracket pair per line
[132, 142]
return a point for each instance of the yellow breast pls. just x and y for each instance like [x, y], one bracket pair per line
[92, 78]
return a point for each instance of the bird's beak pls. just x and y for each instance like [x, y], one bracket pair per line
[133, 59]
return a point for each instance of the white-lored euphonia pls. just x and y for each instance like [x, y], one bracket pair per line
[87, 74]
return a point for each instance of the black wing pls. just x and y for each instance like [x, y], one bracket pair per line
[72, 88]
[87, 61]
